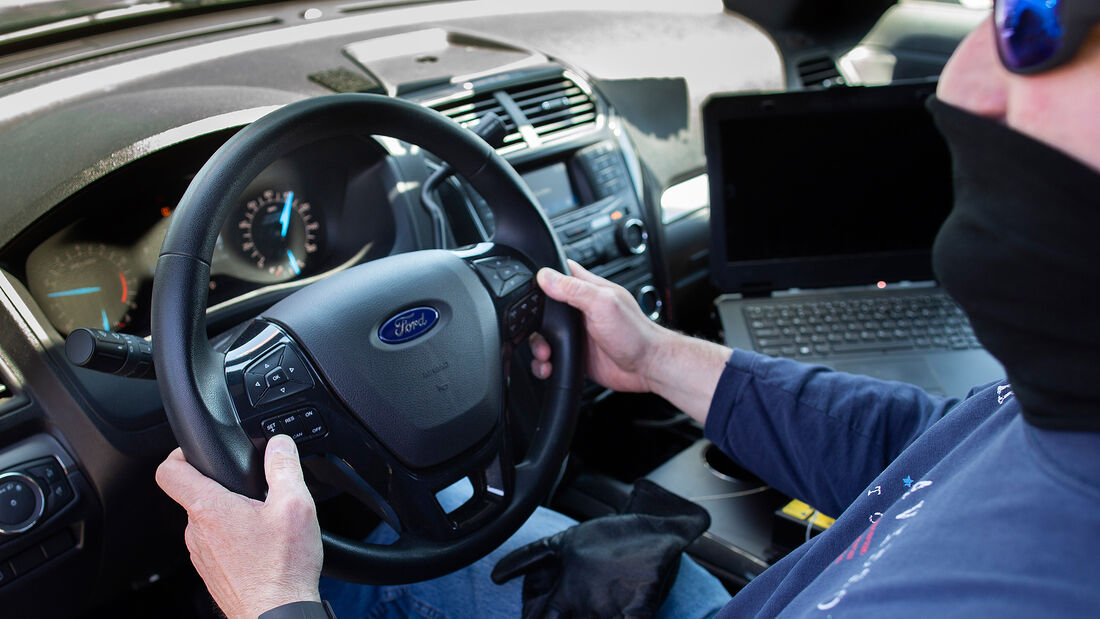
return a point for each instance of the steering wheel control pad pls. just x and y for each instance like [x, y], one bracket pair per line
[426, 399]
[278, 374]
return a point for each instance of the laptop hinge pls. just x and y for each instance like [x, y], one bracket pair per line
[883, 286]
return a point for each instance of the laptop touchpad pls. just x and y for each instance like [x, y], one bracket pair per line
[914, 370]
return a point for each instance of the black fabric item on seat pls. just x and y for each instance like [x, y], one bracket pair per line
[614, 566]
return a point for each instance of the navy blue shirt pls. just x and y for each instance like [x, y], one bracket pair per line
[945, 507]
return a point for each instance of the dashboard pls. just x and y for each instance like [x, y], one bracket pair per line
[101, 135]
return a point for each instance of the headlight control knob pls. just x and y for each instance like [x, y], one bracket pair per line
[21, 502]
[633, 237]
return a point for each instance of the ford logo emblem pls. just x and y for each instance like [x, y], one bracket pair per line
[408, 325]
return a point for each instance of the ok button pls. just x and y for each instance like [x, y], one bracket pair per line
[276, 377]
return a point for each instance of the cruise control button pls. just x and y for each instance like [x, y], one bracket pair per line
[272, 427]
[294, 426]
[316, 430]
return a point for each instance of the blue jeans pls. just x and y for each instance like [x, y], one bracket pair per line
[469, 593]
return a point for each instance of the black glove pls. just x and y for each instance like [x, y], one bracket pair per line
[615, 566]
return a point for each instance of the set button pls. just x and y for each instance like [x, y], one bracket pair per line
[302, 425]
[278, 374]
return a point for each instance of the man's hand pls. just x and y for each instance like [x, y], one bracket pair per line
[621, 339]
[252, 556]
[626, 350]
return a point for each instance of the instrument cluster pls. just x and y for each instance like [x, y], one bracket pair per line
[308, 213]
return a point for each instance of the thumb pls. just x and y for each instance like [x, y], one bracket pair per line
[282, 468]
[567, 289]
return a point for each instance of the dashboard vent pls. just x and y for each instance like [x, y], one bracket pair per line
[554, 105]
[467, 111]
[819, 71]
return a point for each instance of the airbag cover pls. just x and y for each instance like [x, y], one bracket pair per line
[426, 398]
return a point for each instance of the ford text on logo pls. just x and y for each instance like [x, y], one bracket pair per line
[408, 325]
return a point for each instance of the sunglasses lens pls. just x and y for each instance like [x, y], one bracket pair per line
[1029, 32]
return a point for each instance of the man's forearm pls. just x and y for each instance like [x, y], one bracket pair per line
[685, 371]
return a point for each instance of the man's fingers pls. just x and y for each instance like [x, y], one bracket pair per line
[576, 292]
[541, 369]
[580, 272]
[540, 348]
[183, 482]
[283, 470]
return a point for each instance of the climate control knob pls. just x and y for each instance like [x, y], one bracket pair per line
[21, 503]
[632, 237]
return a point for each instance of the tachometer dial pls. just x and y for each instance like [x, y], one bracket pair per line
[87, 285]
[278, 233]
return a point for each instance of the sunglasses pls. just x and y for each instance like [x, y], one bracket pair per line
[1036, 35]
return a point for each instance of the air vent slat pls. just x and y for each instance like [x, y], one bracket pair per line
[566, 124]
[554, 85]
[555, 105]
[551, 104]
[553, 95]
[819, 71]
[548, 117]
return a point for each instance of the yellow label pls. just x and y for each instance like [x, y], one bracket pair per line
[802, 511]
[798, 509]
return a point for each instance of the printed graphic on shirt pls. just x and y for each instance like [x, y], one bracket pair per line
[1004, 392]
[868, 548]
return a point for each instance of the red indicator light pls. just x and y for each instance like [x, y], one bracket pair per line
[881, 285]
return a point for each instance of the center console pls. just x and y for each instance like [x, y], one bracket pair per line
[567, 146]
[590, 199]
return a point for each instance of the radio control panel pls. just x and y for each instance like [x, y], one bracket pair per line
[590, 199]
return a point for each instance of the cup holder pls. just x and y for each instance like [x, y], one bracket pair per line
[720, 465]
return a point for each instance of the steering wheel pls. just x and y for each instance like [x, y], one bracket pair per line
[392, 375]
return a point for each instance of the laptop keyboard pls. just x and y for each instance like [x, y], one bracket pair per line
[826, 327]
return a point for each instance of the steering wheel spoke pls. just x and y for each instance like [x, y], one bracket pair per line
[509, 277]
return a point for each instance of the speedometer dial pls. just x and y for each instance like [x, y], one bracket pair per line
[87, 285]
[279, 233]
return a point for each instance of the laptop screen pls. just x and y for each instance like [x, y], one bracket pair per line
[824, 188]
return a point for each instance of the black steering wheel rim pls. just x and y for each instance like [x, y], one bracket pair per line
[191, 375]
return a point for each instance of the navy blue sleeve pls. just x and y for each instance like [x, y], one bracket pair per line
[812, 433]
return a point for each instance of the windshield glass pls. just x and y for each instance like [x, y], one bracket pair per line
[21, 19]
[23, 14]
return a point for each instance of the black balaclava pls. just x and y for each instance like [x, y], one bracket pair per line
[1020, 253]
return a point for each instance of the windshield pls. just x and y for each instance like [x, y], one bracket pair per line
[29, 18]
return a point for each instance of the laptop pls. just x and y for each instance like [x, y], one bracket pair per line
[824, 208]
